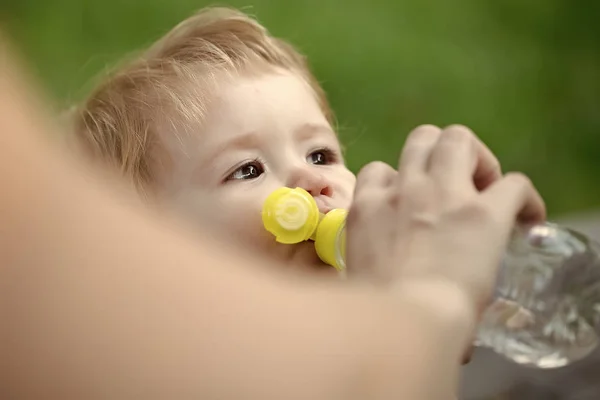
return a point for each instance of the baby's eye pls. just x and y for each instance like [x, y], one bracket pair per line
[251, 170]
[321, 157]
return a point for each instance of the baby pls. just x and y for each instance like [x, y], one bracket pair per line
[211, 119]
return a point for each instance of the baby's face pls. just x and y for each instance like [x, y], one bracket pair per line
[261, 133]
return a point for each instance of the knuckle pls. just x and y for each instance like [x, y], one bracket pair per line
[363, 172]
[372, 169]
[458, 132]
[459, 128]
[380, 167]
[426, 127]
[519, 178]
[424, 131]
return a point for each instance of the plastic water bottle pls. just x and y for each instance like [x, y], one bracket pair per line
[546, 307]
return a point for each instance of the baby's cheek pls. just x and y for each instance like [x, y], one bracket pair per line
[247, 228]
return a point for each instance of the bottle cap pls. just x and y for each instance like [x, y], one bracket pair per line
[330, 241]
[291, 215]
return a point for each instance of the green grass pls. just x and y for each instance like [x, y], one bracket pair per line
[524, 75]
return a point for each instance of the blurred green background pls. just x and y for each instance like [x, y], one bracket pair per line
[525, 75]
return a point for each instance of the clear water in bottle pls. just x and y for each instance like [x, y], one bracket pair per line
[546, 311]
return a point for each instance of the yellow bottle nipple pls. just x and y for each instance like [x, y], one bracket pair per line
[292, 216]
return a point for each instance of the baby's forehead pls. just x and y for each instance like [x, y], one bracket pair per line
[210, 112]
[274, 98]
[196, 95]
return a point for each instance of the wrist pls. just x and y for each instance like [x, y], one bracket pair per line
[442, 305]
[417, 330]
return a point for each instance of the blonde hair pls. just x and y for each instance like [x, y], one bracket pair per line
[119, 121]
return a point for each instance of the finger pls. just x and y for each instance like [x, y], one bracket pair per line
[488, 169]
[374, 177]
[453, 159]
[461, 160]
[364, 231]
[417, 150]
[368, 236]
[514, 197]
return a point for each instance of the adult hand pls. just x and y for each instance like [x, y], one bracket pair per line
[444, 215]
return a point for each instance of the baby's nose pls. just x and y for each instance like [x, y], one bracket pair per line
[311, 181]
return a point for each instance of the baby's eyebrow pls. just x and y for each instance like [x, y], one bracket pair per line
[309, 130]
[248, 140]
